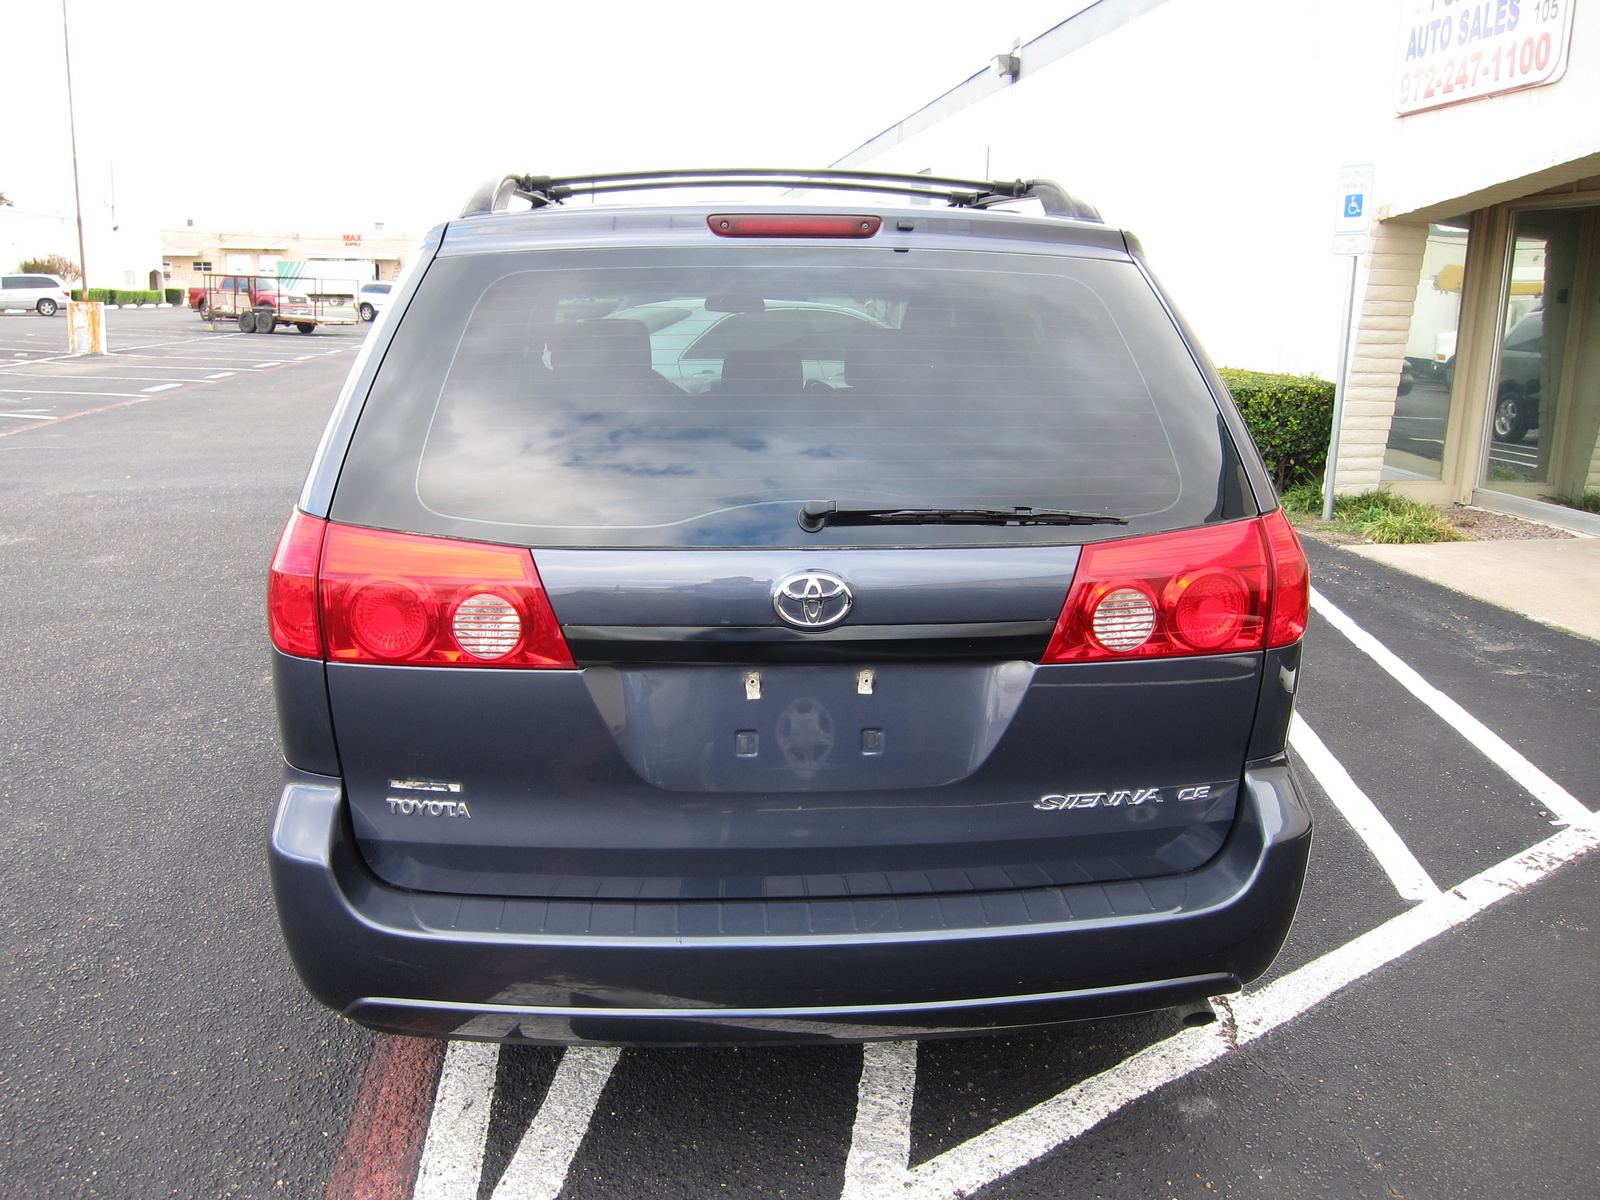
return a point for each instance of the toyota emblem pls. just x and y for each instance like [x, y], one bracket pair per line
[812, 599]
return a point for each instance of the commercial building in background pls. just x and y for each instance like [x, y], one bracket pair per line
[1218, 129]
[189, 255]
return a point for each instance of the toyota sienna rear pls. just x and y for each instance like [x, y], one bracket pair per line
[772, 622]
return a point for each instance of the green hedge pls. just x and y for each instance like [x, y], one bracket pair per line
[174, 296]
[123, 295]
[1289, 416]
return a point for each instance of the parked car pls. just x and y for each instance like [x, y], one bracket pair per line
[45, 294]
[1516, 408]
[947, 692]
[1521, 369]
[371, 298]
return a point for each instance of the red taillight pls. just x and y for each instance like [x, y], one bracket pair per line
[1291, 581]
[292, 588]
[1201, 591]
[424, 601]
[789, 225]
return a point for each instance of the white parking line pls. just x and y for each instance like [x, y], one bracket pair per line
[161, 387]
[538, 1170]
[164, 377]
[880, 1144]
[259, 366]
[1408, 875]
[1013, 1144]
[67, 392]
[222, 375]
[452, 1153]
[1546, 790]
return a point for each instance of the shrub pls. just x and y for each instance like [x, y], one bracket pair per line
[173, 296]
[50, 264]
[1587, 501]
[1376, 516]
[1289, 416]
[103, 295]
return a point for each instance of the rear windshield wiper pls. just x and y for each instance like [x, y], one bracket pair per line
[816, 515]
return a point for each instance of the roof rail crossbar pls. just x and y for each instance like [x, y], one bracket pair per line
[543, 190]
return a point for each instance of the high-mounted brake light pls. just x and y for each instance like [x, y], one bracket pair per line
[792, 225]
[1199, 591]
[366, 595]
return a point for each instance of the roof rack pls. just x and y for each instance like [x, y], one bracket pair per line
[543, 190]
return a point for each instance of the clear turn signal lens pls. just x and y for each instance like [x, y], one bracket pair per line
[486, 626]
[1124, 620]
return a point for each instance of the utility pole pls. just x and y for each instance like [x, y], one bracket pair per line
[72, 126]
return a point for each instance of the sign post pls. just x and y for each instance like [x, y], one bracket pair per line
[1350, 239]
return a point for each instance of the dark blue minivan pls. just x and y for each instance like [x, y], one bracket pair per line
[777, 621]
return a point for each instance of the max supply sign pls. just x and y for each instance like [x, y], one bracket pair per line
[1456, 50]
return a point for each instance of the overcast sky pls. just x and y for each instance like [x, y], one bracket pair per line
[330, 116]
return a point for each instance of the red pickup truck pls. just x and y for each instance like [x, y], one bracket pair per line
[258, 301]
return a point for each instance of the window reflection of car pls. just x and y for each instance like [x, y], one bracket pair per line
[691, 338]
[1521, 365]
[1516, 407]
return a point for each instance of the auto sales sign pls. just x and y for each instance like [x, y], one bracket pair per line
[1456, 50]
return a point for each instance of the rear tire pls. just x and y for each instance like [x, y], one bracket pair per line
[204, 310]
[304, 326]
[247, 322]
[47, 307]
[266, 321]
[367, 312]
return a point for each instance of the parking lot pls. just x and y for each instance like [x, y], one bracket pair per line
[1427, 1031]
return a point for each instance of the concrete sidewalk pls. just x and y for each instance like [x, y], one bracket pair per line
[1556, 582]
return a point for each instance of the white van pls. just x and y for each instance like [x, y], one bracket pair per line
[372, 298]
[45, 294]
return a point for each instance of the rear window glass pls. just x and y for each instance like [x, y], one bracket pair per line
[698, 397]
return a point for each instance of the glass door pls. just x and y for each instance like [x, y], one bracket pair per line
[1545, 414]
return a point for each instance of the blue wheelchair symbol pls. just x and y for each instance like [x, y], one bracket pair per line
[1352, 204]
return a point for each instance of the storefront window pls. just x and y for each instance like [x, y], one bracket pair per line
[1422, 402]
[1545, 413]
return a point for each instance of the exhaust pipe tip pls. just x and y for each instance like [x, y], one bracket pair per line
[1196, 1014]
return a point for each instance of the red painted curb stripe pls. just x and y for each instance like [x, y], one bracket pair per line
[388, 1122]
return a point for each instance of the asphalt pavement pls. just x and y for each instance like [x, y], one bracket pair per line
[1427, 1031]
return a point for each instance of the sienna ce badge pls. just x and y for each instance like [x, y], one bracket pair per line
[812, 599]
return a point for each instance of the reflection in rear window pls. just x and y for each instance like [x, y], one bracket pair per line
[698, 397]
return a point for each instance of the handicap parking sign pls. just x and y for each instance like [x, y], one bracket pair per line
[1354, 213]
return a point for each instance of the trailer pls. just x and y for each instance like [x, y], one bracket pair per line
[259, 304]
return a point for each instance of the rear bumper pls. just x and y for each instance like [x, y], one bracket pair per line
[633, 972]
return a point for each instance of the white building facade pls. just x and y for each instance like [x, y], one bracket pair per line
[120, 256]
[1216, 131]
